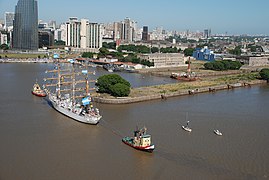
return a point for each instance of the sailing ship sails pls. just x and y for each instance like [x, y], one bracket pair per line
[71, 96]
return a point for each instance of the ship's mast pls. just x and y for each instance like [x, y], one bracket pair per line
[59, 81]
[73, 83]
[189, 65]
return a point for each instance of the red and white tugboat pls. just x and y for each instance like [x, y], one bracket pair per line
[38, 91]
[185, 76]
[140, 141]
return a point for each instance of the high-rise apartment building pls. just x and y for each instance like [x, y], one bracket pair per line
[95, 36]
[9, 18]
[83, 35]
[73, 32]
[25, 32]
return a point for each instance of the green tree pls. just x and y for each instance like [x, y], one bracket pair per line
[110, 45]
[169, 50]
[120, 90]
[4, 46]
[106, 84]
[87, 55]
[154, 49]
[236, 50]
[59, 43]
[264, 73]
[209, 65]
[188, 51]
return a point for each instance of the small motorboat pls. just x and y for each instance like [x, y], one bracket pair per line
[186, 128]
[140, 141]
[217, 132]
[37, 91]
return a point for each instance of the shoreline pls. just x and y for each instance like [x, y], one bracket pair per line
[182, 92]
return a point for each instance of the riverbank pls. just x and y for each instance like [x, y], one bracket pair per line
[178, 89]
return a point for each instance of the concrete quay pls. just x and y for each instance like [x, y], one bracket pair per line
[163, 96]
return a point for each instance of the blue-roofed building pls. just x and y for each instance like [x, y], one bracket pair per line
[204, 54]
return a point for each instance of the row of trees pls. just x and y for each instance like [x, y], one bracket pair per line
[223, 65]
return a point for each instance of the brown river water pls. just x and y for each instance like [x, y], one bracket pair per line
[37, 142]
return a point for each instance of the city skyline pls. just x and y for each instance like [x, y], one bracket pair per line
[233, 17]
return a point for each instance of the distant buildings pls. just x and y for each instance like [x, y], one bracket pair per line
[164, 59]
[125, 31]
[204, 54]
[25, 33]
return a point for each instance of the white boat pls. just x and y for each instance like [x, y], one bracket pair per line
[186, 128]
[217, 132]
[65, 99]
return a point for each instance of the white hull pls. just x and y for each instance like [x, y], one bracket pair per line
[89, 119]
[186, 128]
[217, 132]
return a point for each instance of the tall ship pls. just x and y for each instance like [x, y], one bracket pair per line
[68, 92]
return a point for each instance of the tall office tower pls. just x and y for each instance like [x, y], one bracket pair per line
[207, 33]
[25, 32]
[117, 31]
[127, 30]
[9, 17]
[145, 34]
[73, 32]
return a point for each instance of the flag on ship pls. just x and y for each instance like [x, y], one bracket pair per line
[84, 72]
[86, 100]
[55, 56]
[71, 60]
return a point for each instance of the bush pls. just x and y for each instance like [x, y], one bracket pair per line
[264, 73]
[112, 84]
[223, 65]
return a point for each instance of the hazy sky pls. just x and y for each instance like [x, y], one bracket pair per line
[232, 16]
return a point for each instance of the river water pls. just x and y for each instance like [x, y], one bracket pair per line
[36, 142]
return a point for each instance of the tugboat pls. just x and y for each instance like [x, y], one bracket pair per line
[38, 91]
[140, 141]
[185, 76]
